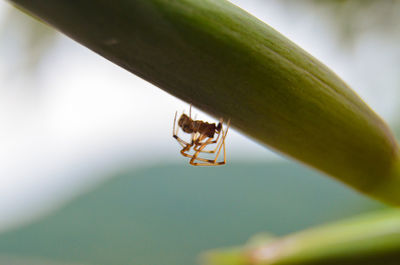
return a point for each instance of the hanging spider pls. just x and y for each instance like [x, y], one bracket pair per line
[202, 135]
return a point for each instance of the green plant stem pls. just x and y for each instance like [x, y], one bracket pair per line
[368, 240]
[229, 64]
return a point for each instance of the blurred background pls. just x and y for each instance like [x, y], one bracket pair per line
[89, 172]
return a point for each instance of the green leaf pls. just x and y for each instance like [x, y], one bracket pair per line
[368, 240]
[230, 64]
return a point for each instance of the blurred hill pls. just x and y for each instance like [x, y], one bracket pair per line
[169, 214]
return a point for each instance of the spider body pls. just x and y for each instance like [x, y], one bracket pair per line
[202, 135]
[197, 126]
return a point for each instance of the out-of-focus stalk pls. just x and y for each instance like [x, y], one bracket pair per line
[369, 240]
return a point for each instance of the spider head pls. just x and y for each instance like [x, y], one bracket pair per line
[219, 127]
[186, 123]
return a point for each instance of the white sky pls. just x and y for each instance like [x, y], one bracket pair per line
[91, 116]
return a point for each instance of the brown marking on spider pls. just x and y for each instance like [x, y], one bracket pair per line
[202, 135]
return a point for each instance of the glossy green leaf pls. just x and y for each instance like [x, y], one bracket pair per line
[230, 64]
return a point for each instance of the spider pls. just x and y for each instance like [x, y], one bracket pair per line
[202, 135]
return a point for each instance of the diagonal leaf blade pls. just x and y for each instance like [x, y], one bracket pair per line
[229, 64]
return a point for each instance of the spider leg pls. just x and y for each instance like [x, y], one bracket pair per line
[208, 161]
[196, 153]
[221, 121]
[198, 141]
[173, 127]
[187, 148]
[197, 146]
[185, 144]
[216, 140]
[182, 142]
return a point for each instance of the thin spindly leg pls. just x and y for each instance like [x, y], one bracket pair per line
[180, 141]
[187, 147]
[184, 143]
[198, 141]
[197, 145]
[175, 134]
[184, 150]
[173, 127]
[211, 162]
[207, 162]
[216, 140]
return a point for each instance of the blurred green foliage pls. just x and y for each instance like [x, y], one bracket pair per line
[169, 214]
[369, 239]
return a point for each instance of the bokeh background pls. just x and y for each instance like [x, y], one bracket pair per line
[89, 172]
